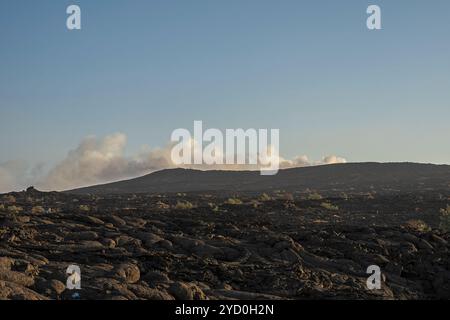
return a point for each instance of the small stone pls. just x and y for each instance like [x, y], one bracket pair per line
[109, 243]
[93, 220]
[181, 291]
[23, 219]
[6, 263]
[165, 244]
[83, 235]
[128, 272]
[117, 221]
[58, 286]
[156, 277]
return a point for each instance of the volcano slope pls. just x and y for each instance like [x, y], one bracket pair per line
[217, 245]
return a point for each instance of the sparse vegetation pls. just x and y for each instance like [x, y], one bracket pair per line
[184, 205]
[162, 205]
[15, 209]
[287, 196]
[84, 208]
[329, 206]
[255, 203]
[214, 207]
[289, 205]
[445, 219]
[279, 193]
[445, 211]
[418, 225]
[265, 197]
[370, 196]
[37, 210]
[344, 196]
[203, 234]
[314, 196]
[9, 199]
[132, 197]
[234, 201]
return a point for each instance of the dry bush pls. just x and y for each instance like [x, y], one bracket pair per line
[314, 196]
[445, 219]
[15, 209]
[287, 196]
[417, 225]
[234, 201]
[162, 205]
[344, 196]
[289, 205]
[184, 205]
[84, 208]
[370, 196]
[255, 203]
[264, 197]
[214, 207]
[37, 210]
[8, 199]
[329, 206]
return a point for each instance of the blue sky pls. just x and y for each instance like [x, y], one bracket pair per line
[309, 68]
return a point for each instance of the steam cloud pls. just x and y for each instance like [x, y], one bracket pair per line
[97, 161]
[16, 174]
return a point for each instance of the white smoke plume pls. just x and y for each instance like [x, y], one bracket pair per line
[97, 161]
[16, 174]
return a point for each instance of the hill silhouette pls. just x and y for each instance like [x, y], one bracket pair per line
[358, 177]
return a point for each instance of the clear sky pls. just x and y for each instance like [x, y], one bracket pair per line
[146, 67]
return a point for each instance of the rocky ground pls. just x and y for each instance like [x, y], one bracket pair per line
[206, 246]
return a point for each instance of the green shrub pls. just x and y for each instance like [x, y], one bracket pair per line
[234, 201]
[184, 205]
[84, 208]
[264, 197]
[329, 206]
[344, 196]
[314, 196]
[418, 225]
[214, 207]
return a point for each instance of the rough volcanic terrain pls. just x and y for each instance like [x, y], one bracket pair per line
[279, 245]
